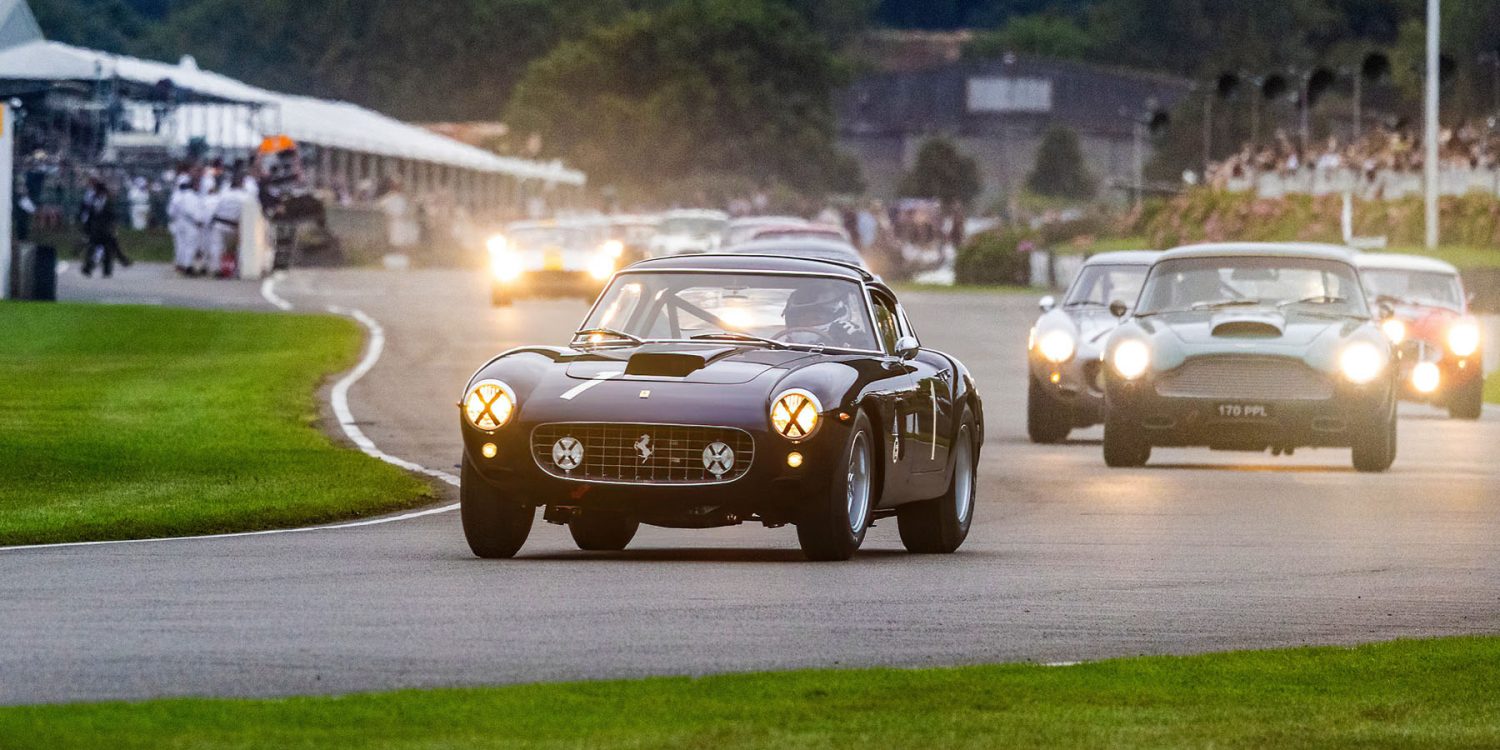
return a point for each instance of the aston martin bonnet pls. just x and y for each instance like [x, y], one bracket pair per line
[1251, 347]
[713, 390]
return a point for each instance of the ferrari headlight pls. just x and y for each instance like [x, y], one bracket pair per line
[601, 266]
[1463, 338]
[489, 405]
[1394, 329]
[1057, 346]
[1131, 358]
[613, 248]
[1361, 362]
[795, 414]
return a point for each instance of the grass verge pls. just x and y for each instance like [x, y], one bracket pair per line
[150, 245]
[128, 422]
[1431, 694]
[1492, 388]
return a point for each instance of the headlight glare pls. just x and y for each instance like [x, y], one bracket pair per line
[1463, 338]
[489, 405]
[497, 244]
[1131, 359]
[1394, 329]
[613, 248]
[601, 266]
[1057, 345]
[795, 414]
[1361, 362]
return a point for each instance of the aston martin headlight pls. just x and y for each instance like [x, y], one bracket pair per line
[1057, 346]
[1463, 338]
[489, 405]
[1361, 362]
[1131, 358]
[601, 266]
[795, 414]
[1394, 329]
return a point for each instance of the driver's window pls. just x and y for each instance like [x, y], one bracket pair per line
[886, 325]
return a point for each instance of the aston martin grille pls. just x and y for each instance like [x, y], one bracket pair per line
[642, 453]
[1239, 377]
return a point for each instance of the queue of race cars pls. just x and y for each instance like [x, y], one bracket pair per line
[754, 370]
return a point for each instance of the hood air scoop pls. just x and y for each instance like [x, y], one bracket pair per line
[1249, 325]
[673, 364]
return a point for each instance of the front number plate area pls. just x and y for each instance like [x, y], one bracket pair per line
[1242, 410]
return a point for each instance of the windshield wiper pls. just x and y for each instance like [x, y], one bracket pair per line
[736, 336]
[1319, 299]
[1216, 304]
[609, 332]
[1084, 303]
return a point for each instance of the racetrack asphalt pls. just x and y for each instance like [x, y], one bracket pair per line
[1067, 560]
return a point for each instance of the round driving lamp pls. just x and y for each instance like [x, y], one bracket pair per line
[795, 414]
[1131, 358]
[1463, 338]
[1394, 329]
[1361, 362]
[489, 405]
[1056, 346]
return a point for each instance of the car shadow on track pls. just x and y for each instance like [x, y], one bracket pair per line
[1255, 468]
[698, 554]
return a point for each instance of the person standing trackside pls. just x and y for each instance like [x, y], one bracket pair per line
[224, 228]
[99, 219]
[183, 211]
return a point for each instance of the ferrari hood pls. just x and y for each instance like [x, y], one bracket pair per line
[715, 363]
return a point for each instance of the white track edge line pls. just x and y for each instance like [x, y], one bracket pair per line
[268, 291]
[340, 399]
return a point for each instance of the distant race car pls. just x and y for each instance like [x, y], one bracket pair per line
[713, 390]
[687, 231]
[1438, 342]
[1251, 346]
[1066, 387]
[548, 258]
[800, 232]
[816, 249]
[743, 228]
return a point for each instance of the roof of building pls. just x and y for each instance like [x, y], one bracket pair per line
[1399, 262]
[26, 56]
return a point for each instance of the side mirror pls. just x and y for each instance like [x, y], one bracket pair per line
[1118, 308]
[907, 347]
[1385, 311]
[1047, 303]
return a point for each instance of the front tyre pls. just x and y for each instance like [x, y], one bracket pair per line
[1375, 449]
[495, 524]
[602, 531]
[1047, 421]
[1467, 402]
[832, 527]
[939, 526]
[1124, 444]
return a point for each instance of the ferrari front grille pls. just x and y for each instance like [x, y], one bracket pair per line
[628, 453]
[1245, 378]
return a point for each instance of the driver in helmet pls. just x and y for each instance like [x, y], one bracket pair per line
[818, 315]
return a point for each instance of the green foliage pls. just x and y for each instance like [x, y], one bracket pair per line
[1428, 694]
[732, 88]
[128, 422]
[1060, 171]
[109, 25]
[999, 257]
[942, 172]
[1047, 34]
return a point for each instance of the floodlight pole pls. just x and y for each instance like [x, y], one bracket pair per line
[1430, 131]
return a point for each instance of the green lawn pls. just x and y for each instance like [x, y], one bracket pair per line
[124, 422]
[1492, 388]
[1462, 257]
[1430, 694]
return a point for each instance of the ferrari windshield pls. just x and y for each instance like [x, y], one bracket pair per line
[1097, 286]
[1312, 285]
[1431, 288]
[765, 309]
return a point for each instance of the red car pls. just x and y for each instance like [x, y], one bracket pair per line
[1437, 340]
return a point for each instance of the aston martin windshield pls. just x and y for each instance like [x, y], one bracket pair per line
[1305, 284]
[1414, 287]
[747, 308]
[1097, 286]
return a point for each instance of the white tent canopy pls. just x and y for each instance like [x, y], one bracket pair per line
[25, 56]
